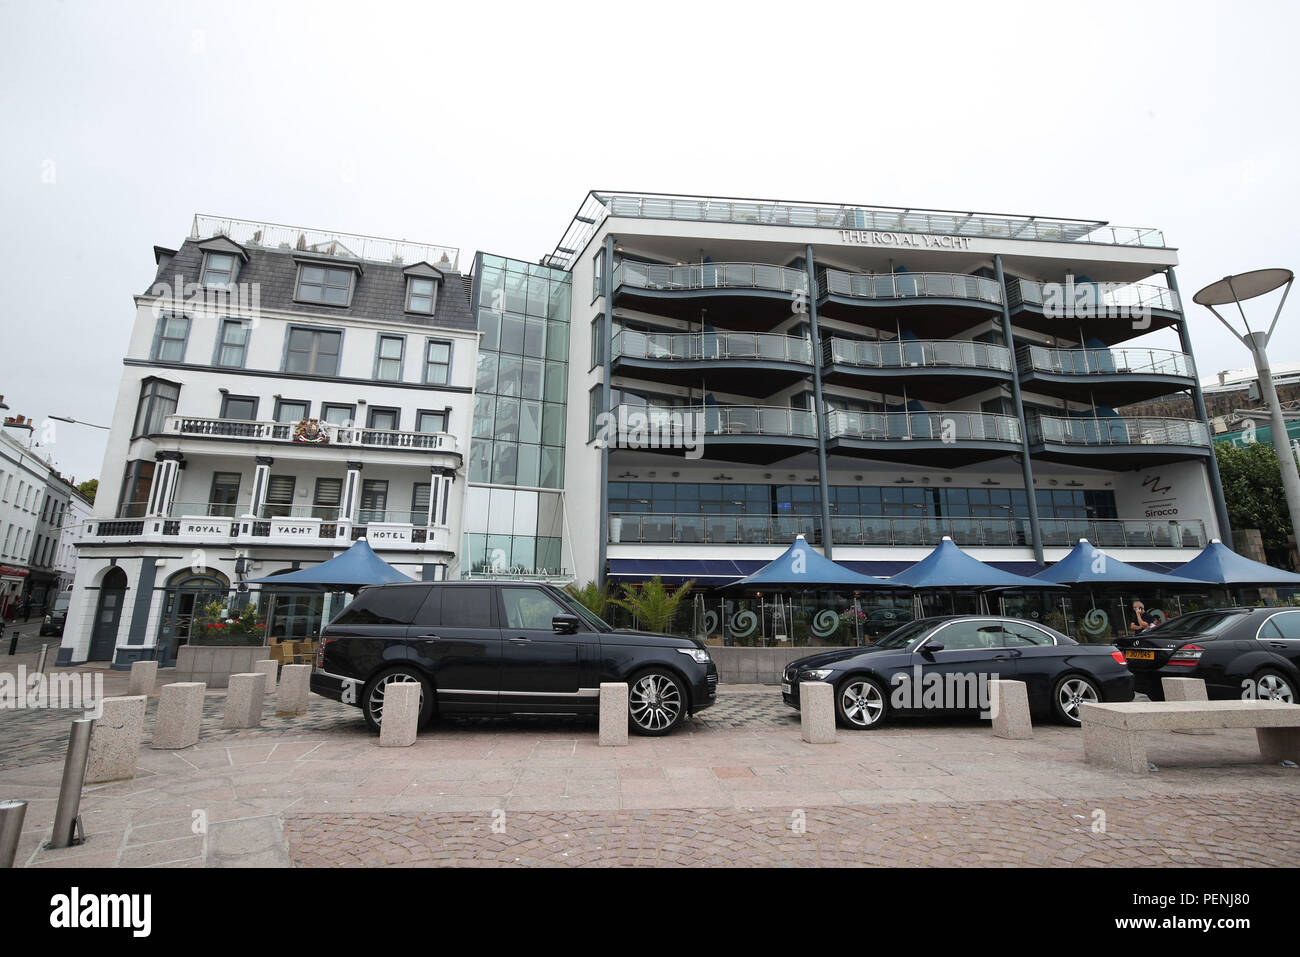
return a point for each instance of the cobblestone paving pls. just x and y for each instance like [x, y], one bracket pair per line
[1180, 831]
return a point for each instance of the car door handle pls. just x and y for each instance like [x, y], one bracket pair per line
[431, 637]
[520, 638]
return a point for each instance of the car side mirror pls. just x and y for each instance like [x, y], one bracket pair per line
[565, 624]
[932, 646]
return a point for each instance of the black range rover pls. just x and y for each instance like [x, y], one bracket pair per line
[504, 648]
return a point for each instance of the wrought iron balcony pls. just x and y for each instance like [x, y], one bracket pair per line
[321, 434]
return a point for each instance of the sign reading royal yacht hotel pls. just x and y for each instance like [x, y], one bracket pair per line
[874, 237]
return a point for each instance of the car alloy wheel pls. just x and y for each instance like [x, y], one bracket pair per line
[862, 703]
[1072, 692]
[1271, 686]
[655, 703]
[374, 696]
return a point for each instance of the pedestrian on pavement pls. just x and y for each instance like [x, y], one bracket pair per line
[27, 609]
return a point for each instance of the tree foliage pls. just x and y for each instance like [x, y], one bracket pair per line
[653, 604]
[591, 596]
[1252, 490]
[88, 488]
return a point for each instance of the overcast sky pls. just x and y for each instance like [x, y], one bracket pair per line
[483, 125]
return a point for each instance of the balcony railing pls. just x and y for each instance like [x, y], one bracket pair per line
[927, 426]
[1082, 299]
[320, 242]
[1116, 430]
[677, 529]
[711, 345]
[336, 435]
[939, 354]
[666, 425]
[1107, 361]
[710, 276]
[908, 285]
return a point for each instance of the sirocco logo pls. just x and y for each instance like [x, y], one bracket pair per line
[1152, 482]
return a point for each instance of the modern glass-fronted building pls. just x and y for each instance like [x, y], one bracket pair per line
[737, 372]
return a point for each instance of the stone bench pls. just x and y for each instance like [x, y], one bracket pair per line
[1112, 733]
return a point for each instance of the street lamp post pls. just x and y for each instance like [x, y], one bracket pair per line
[1236, 290]
[68, 418]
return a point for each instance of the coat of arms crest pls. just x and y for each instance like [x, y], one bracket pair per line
[311, 430]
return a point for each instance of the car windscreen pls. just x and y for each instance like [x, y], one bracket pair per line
[904, 635]
[61, 603]
[1202, 623]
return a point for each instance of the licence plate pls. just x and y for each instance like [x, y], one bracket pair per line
[1140, 655]
[785, 687]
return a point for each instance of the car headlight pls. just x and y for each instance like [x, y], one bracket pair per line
[699, 655]
[821, 674]
[48, 619]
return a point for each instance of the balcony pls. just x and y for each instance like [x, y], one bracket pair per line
[329, 436]
[730, 358]
[751, 434]
[1109, 312]
[668, 529]
[938, 304]
[935, 370]
[214, 522]
[319, 242]
[1121, 376]
[934, 438]
[1134, 441]
[738, 294]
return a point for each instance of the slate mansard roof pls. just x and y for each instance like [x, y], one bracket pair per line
[379, 289]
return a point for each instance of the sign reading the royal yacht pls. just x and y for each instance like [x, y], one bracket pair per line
[875, 237]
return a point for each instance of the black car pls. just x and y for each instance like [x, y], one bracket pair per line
[52, 623]
[482, 648]
[940, 663]
[1238, 652]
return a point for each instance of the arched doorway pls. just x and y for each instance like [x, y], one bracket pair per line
[187, 592]
[108, 615]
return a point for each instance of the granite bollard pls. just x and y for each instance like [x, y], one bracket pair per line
[1184, 689]
[613, 713]
[1009, 704]
[271, 668]
[244, 698]
[115, 739]
[295, 683]
[180, 712]
[143, 675]
[817, 712]
[401, 718]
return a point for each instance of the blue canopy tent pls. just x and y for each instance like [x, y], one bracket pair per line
[357, 567]
[951, 568]
[800, 568]
[1219, 565]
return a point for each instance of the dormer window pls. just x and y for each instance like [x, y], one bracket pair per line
[324, 285]
[219, 269]
[419, 295]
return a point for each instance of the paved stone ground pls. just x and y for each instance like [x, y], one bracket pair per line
[318, 790]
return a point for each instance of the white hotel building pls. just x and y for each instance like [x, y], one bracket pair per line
[285, 392]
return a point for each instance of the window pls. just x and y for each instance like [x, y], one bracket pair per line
[218, 269]
[279, 496]
[339, 414]
[383, 418]
[597, 342]
[419, 295]
[137, 483]
[465, 606]
[430, 422]
[420, 503]
[384, 606]
[1020, 636]
[328, 495]
[321, 284]
[291, 411]
[158, 400]
[225, 493]
[970, 636]
[315, 351]
[530, 608]
[374, 500]
[437, 362]
[232, 344]
[169, 341]
[241, 407]
[597, 275]
[388, 358]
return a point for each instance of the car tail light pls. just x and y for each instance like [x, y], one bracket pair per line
[320, 653]
[1189, 655]
[1119, 656]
